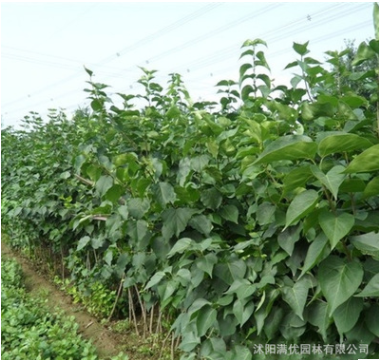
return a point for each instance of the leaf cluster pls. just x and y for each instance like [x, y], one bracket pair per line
[253, 223]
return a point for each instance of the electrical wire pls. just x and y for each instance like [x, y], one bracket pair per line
[202, 63]
[142, 42]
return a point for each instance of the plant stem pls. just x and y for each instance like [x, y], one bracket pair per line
[85, 181]
[151, 319]
[143, 310]
[133, 313]
[159, 323]
[119, 292]
[172, 347]
[347, 252]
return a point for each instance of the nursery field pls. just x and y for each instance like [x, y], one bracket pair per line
[246, 228]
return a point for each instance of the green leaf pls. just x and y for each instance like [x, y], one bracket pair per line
[376, 20]
[138, 207]
[244, 68]
[180, 246]
[265, 213]
[198, 163]
[245, 291]
[368, 243]
[288, 238]
[231, 271]
[371, 289]
[97, 242]
[264, 307]
[317, 252]
[123, 211]
[202, 224]
[360, 333]
[372, 188]
[371, 319]
[301, 49]
[189, 341]
[339, 280]
[165, 292]
[292, 327]
[347, 314]
[122, 261]
[65, 175]
[184, 276]
[291, 65]
[197, 305]
[211, 198]
[262, 62]
[364, 52]
[97, 105]
[184, 170]
[108, 257]
[336, 226]
[246, 91]
[175, 221]
[296, 296]
[289, 147]
[88, 71]
[371, 268]
[273, 322]
[352, 185]
[332, 180]
[230, 213]
[297, 177]
[318, 316]
[242, 312]
[114, 193]
[343, 142]
[365, 162]
[205, 319]
[207, 263]
[83, 242]
[300, 206]
[139, 232]
[254, 42]
[164, 193]
[104, 184]
[241, 353]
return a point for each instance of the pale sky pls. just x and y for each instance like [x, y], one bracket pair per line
[44, 46]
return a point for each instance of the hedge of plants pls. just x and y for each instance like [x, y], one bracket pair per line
[29, 331]
[248, 228]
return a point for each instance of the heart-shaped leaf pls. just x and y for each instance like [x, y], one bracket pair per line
[335, 226]
[339, 280]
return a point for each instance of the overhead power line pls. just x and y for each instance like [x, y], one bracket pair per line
[175, 25]
[199, 12]
[275, 35]
[215, 32]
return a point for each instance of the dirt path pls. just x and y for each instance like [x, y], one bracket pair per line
[89, 327]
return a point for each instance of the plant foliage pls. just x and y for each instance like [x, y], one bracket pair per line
[248, 225]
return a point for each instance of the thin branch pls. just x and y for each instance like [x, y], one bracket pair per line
[163, 346]
[131, 305]
[172, 347]
[84, 181]
[143, 310]
[151, 319]
[119, 292]
[100, 217]
[159, 323]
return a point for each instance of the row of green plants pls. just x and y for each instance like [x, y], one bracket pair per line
[28, 331]
[230, 225]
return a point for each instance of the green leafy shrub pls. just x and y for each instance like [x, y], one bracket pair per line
[242, 227]
[28, 331]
